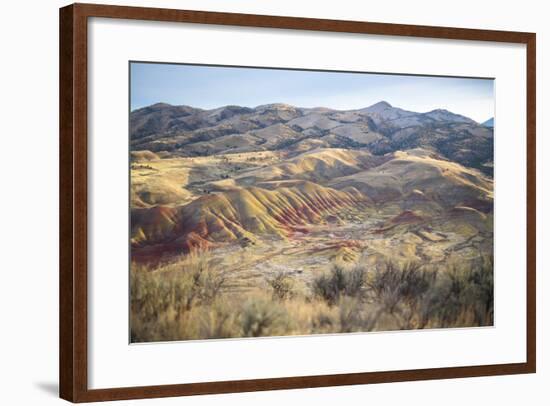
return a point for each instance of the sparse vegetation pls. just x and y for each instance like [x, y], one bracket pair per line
[162, 297]
[260, 316]
[189, 299]
[136, 167]
[340, 282]
[407, 284]
[282, 285]
[463, 296]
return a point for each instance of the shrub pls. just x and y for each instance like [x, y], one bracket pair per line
[340, 282]
[282, 285]
[261, 316]
[190, 299]
[324, 320]
[168, 292]
[463, 297]
[218, 320]
[394, 284]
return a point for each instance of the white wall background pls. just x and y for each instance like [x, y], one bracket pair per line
[29, 189]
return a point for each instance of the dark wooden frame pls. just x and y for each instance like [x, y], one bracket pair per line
[73, 200]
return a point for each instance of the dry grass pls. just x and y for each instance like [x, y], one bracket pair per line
[190, 299]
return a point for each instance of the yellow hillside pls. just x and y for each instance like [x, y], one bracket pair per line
[417, 173]
[316, 165]
[245, 212]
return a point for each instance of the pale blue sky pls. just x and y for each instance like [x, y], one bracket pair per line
[210, 87]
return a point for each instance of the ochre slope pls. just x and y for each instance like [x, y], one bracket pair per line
[239, 214]
[418, 177]
[317, 165]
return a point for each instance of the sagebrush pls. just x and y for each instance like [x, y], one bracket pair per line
[191, 299]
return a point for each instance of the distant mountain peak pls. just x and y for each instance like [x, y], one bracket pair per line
[446, 115]
[275, 106]
[378, 107]
[381, 104]
[156, 107]
[167, 106]
[439, 111]
[489, 123]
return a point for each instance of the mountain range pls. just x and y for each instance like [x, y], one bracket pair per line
[184, 131]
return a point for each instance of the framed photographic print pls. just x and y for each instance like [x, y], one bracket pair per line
[256, 202]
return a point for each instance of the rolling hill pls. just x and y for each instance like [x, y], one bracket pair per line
[281, 197]
[238, 215]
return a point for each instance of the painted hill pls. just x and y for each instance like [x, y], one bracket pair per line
[315, 165]
[237, 215]
[419, 179]
[313, 188]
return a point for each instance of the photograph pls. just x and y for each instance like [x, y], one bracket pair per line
[275, 202]
[269, 203]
